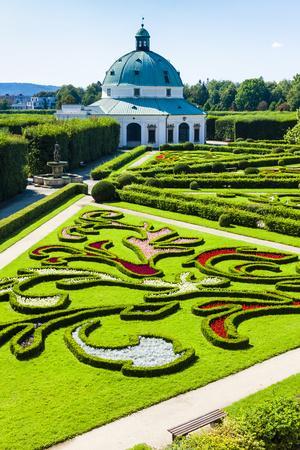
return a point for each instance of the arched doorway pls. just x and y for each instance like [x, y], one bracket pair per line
[134, 134]
[184, 132]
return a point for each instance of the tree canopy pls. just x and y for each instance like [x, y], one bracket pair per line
[250, 95]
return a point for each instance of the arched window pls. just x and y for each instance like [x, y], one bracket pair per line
[184, 132]
[134, 133]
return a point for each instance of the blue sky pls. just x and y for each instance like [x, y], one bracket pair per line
[75, 41]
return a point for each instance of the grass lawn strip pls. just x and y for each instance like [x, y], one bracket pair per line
[45, 409]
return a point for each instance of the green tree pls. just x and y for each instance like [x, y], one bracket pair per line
[68, 94]
[227, 96]
[92, 93]
[250, 93]
[293, 96]
[4, 104]
[196, 93]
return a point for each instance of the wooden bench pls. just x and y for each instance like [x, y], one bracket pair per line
[182, 430]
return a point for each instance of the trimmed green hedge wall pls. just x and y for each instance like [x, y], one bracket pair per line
[234, 127]
[13, 179]
[16, 122]
[80, 140]
[19, 220]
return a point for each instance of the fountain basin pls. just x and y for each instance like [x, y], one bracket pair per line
[48, 180]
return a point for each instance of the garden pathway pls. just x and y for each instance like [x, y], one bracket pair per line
[141, 161]
[150, 425]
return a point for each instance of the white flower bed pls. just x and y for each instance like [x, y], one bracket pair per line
[212, 281]
[150, 352]
[38, 301]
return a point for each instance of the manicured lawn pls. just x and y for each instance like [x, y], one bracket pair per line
[53, 396]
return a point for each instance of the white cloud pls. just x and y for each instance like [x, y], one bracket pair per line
[277, 44]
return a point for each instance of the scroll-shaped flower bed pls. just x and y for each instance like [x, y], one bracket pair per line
[208, 261]
[223, 315]
[146, 355]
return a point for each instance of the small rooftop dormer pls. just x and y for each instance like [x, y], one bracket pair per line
[142, 39]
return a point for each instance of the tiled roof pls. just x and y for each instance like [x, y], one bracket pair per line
[145, 106]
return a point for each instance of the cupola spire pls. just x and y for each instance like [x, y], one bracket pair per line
[142, 39]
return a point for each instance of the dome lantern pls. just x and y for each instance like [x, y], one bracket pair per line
[142, 39]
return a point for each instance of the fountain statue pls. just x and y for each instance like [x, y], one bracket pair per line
[57, 178]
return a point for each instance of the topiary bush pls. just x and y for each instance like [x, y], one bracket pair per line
[251, 171]
[181, 168]
[217, 167]
[151, 182]
[103, 191]
[194, 185]
[282, 162]
[225, 220]
[242, 164]
[188, 146]
[165, 147]
[126, 179]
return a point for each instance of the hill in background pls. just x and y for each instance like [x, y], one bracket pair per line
[27, 89]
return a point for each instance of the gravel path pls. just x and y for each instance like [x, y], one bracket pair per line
[150, 425]
[141, 161]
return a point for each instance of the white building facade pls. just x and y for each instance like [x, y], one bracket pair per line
[144, 93]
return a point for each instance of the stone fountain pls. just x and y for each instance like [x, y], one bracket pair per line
[58, 177]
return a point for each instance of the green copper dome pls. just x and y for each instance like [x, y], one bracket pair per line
[142, 32]
[143, 68]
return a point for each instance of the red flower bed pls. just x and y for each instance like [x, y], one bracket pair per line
[205, 256]
[140, 269]
[212, 305]
[38, 251]
[98, 245]
[217, 325]
[53, 260]
[253, 306]
[270, 255]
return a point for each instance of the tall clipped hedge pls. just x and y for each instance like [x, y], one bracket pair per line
[13, 179]
[79, 140]
[234, 127]
[15, 123]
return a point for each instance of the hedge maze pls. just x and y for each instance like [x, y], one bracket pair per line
[222, 286]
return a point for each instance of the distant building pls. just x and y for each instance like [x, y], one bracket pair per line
[144, 93]
[37, 102]
[19, 101]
